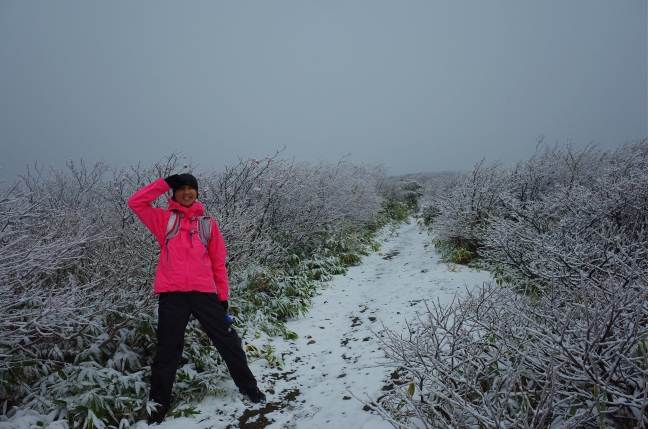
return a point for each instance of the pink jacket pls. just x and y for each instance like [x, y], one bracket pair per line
[185, 264]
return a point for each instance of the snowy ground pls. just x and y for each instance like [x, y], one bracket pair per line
[337, 357]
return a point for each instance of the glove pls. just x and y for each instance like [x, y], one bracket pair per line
[225, 305]
[173, 181]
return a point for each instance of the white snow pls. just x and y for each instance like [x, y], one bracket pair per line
[337, 358]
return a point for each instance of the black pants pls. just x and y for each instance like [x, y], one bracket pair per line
[174, 309]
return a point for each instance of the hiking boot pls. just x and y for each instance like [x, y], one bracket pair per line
[254, 394]
[156, 417]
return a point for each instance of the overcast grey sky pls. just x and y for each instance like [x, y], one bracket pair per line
[417, 85]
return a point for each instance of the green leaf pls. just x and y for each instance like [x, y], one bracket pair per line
[411, 389]
[191, 411]
[291, 335]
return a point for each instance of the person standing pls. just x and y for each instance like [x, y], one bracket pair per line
[191, 279]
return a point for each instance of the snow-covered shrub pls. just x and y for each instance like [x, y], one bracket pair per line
[434, 186]
[406, 189]
[561, 340]
[77, 314]
[465, 212]
[576, 228]
[461, 208]
[278, 205]
[497, 359]
[413, 193]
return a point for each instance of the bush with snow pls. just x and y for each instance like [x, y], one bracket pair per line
[561, 338]
[77, 312]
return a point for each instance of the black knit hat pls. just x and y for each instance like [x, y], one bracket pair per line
[185, 179]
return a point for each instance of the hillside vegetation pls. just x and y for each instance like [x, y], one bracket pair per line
[559, 339]
[77, 312]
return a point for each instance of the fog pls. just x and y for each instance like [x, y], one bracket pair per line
[418, 86]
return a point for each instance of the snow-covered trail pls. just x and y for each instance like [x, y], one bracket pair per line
[337, 356]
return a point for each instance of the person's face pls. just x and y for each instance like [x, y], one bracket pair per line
[186, 195]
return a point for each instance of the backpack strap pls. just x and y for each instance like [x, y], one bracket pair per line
[173, 226]
[204, 229]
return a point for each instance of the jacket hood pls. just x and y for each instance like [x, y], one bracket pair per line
[196, 209]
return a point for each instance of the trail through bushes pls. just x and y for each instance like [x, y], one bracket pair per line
[77, 313]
